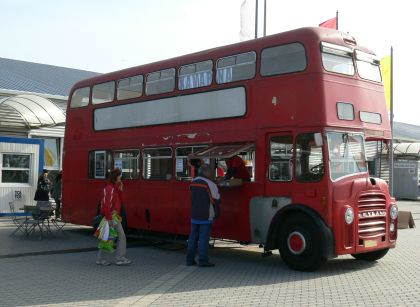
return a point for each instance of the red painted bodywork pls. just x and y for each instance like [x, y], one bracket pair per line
[306, 102]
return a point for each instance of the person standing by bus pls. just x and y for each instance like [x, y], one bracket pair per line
[111, 209]
[56, 193]
[204, 193]
[236, 168]
[42, 192]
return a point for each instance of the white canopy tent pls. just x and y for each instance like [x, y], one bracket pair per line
[34, 112]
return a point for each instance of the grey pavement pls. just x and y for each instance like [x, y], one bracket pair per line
[63, 273]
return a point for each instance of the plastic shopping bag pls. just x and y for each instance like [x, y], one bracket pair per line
[107, 246]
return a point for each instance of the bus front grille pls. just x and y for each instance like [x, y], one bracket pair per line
[371, 216]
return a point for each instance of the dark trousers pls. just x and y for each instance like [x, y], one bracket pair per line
[57, 207]
[199, 237]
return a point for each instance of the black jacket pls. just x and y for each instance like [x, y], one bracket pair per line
[200, 200]
[42, 190]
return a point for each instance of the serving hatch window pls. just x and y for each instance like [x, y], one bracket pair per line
[80, 97]
[195, 75]
[338, 59]
[236, 67]
[157, 163]
[103, 92]
[131, 87]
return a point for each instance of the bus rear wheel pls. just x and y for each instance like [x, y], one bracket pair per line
[300, 243]
[371, 256]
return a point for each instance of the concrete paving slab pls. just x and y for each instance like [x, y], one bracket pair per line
[158, 277]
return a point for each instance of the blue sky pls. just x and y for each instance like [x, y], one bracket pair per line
[109, 35]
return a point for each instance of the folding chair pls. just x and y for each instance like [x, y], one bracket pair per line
[19, 222]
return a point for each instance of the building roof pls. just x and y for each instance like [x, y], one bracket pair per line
[406, 132]
[39, 78]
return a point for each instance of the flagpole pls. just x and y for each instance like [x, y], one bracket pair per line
[265, 17]
[336, 20]
[256, 18]
[391, 107]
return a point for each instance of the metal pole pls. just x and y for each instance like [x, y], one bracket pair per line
[391, 107]
[256, 18]
[336, 20]
[265, 17]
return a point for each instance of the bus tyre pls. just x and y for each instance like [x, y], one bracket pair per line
[300, 243]
[371, 256]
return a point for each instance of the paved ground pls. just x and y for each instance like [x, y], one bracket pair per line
[62, 272]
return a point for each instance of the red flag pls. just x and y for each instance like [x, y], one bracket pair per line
[330, 23]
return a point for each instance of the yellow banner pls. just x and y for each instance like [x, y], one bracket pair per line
[386, 78]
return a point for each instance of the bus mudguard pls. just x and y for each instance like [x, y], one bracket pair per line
[327, 236]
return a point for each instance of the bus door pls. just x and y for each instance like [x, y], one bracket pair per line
[310, 187]
[279, 168]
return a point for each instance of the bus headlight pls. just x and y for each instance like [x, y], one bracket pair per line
[349, 216]
[393, 212]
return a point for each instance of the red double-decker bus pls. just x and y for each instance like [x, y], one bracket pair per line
[298, 107]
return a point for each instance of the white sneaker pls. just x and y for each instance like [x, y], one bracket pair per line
[123, 261]
[103, 262]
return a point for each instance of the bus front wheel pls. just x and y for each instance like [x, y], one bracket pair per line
[300, 243]
[371, 256]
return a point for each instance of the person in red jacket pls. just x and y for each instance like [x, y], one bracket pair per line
[236, 169]
[111, 209]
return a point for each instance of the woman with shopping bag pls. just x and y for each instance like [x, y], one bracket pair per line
[111, 201]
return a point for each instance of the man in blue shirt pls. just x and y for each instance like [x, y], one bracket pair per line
[204, 197]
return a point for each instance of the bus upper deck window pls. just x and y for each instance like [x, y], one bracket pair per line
[80, 97]
[283, 59]
[131, 87]
[236, 67]
[159, 82]
[195, 75]
[103, 92]
[368, 66]
[338, 59]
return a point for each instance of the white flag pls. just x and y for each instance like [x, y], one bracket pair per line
[247, 20]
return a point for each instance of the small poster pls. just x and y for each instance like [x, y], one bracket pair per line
[179, 165]
[118, 163]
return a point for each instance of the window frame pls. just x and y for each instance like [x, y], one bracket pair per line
[103, 84]
[364, 114]
[19, 169]
[283, 73]
[338, 51]
[144, 167]
[137, 158]
[72, 106]
[160, 79]
[195, 73]
[342, 103]
[236, 65]
[194, 148]
[273, 160]
[128, 78]
[92, 170]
